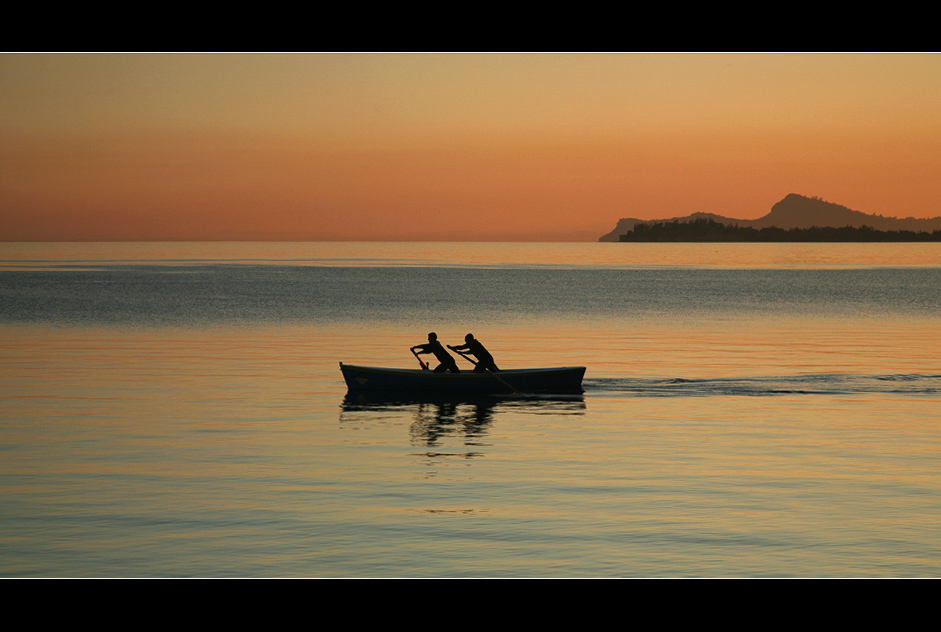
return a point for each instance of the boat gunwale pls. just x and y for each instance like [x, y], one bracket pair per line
[468, 373]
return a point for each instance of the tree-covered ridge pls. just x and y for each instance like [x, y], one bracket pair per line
[708, 230]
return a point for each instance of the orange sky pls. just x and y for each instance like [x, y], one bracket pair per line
[489, 147]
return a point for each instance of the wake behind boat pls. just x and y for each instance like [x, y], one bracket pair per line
[561, 380]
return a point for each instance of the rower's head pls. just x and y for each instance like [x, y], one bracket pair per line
[468, 337]
[432, 337]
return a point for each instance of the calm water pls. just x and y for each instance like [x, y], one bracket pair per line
[749, 410]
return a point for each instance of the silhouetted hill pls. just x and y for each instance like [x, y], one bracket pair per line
[796, 211]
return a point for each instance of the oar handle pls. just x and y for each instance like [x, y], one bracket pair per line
[420, 363]
[464, 355]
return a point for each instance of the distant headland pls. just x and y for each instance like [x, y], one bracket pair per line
[795, 218]
[709, 230]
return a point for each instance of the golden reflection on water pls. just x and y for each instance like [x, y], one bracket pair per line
[204, 430]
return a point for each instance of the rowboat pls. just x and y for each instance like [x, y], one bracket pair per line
[566, 379]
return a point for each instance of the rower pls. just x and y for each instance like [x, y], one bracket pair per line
[433, 346]
[485, 361]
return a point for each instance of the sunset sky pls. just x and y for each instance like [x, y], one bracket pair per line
[459, 147]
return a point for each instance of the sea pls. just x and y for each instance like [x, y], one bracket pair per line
[749, 410]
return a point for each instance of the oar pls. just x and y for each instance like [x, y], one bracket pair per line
[463, 355]
[501, 380]
[423, 365]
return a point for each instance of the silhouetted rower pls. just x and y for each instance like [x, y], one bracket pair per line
[484, 359]
[433, 346]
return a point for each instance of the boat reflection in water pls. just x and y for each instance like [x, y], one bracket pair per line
[436, 416]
